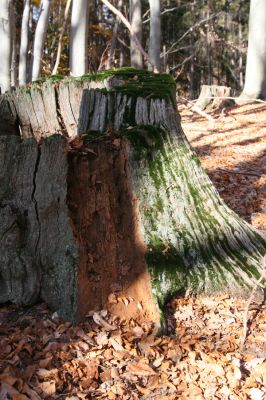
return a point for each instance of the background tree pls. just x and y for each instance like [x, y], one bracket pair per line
[136, 57]
[24, 44]
[155, 33]
[79, 38]
[39, 38]
[6, 44]
[255, 80]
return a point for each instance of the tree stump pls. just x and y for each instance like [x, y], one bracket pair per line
[102, 198]
[211, 96]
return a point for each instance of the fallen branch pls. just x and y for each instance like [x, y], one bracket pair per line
[197, 109]
[235, 98]
[245, 316]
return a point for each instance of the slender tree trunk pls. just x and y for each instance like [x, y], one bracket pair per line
[255, 79]
[24, 44]
[13, 70]
[240, 55]
[114, 38]
[60, 41]
[39, 39]
[155, 33]
[79, 38]
[136, 24]
[6, 44]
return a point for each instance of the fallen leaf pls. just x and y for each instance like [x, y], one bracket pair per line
[141, 369]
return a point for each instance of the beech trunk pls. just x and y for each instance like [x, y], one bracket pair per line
[102, 196]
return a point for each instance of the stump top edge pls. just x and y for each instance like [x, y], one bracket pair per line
[125, 80]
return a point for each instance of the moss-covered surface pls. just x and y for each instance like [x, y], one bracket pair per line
[188, 230]
[132, 82]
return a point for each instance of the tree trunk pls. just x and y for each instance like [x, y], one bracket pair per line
[255, 79]
[39, 39]
[79, 38]
[123, 209]
[136, 24]
[13, 69]
[24, 43]
[6, 45]
[155, 33]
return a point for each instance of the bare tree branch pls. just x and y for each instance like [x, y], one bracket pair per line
[167, 10]
[127, 24]
[192, 28]
[60, 41]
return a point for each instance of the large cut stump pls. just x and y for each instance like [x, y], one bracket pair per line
[104, 204]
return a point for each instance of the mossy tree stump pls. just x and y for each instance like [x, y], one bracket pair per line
[101, 195]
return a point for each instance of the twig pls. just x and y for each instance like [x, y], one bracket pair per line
[245, 315]
[234, 98]
[133, 34]
[242, 172]
[167, 10]
[192, 28]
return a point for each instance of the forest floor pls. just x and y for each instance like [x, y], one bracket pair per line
[42, 357]
[232, 150]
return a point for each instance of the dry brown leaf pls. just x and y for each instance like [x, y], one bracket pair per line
[143, 390]
[20, 396]
[101, 321]
[45, 373]
[10, 380]
[141, 369]
[102, 338]
[48, 388]
[6, 389]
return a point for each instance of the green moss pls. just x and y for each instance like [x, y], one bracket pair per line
[138, 83]
[167, 269]
[145, 139]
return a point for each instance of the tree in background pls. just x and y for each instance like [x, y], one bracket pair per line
[39, 39]
[79, 38]
[201, 41]
[136, 57]
[255, 81]
[155, 33]
[6, 44]
[24, 44]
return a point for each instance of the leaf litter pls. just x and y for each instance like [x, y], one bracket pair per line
[42, 357]
[232, 150]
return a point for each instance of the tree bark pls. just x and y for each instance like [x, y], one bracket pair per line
[79, 38]
[24, 43]
[255, 79]
[39, 39]
[136, 24]
[6, 45]
[115, 204]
